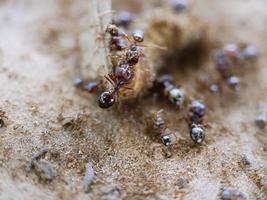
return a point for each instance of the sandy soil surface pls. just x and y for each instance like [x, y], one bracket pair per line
[39, 56]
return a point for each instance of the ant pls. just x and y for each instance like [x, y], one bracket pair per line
[120, 76]
[231, 55]
[174, 94]
[123, 72]
[133, 51]
[126, 53]
[196, 114]
[159, 125]
[197, 133]
[117, 38]
[197, 111]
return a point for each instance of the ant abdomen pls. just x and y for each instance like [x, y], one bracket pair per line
[106, 100]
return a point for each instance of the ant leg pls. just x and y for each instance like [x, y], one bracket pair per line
[127, 88]
[153, 46]
[107, 77]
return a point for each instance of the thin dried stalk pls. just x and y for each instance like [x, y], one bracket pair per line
[93, 44]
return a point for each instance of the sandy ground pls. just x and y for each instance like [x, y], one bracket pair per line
[39, 56]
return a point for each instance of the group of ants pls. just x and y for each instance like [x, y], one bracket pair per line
[131, 50]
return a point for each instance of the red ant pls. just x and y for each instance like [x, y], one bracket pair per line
[126, 52]
[120, 76]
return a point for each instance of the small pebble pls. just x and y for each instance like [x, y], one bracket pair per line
[44, 170]
[245, 161]
[88, 177]
[182, 183]
[230, 194]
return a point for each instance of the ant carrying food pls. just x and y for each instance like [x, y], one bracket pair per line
[120, 76]
[126, 57]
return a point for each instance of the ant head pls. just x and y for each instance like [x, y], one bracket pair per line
[138, 36]
[113, 30]
[106, 100]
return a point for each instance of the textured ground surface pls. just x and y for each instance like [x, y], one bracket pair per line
[38, 57]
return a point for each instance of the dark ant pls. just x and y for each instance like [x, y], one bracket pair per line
[174, 94]
[231, 55]
[133, 55]
[120, 76]
[122, 73]
[117, 42]
[120, 41]
[222, 63]
[159, 125]
[196, 114]
[108, 98]
[197, 111]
